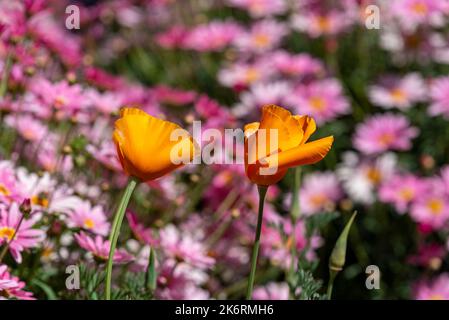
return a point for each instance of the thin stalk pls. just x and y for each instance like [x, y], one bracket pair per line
[295, 212]
[5, 77]
[262, 193]
[6, 247]
[113, 237]
[330, 285]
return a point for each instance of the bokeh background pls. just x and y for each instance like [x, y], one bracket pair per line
[382, 92]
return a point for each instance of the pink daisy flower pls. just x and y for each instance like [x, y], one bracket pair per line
[90, 218]
[431, 209]
[412, 13]
[11, 287]
[165, 94]
[172, 38]
[434, 289]
[106, 103]
[317, 24]
[319, 192]
[260, 8]
[25, 237]
[323, 100]
[144, 235]
[401, 191]
[384, 132]
[9, 189]
[214, 36]
[99, 248]
[439, 94]
[272, 291]
[184, 247]
[428, 255]
[295, 65]
[401, 93]
[242, 75]
[264, 35]
[28, 127]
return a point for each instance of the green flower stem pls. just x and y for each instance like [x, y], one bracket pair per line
[330, 285]
[5, 77]
[262, 192]
[113, 237]
[295, 212]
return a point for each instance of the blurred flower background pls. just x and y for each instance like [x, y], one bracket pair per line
[382, 93]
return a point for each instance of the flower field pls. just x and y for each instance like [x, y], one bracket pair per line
[224, 149]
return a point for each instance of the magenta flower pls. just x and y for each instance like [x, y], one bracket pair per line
[384, 132]
[90, 218]
[272, 291]
[412, 13]
[402, 190]
[172, 38]
[144, 235]
[401, 93]
[319, 192]
[317, 24]
[9, 189]
[99, 248]
[295, 65]
[22, 238]
[434, 289]
[322, 100]
[165, 94]
[11, 287]
[439, 94]
[240, 76]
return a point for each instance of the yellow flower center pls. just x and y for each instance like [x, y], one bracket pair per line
[40, 200]
[435, 206]
[60, 101]
[251, 75]
[89, 223]
[386, 139]
[374, 175]
[317, 103]
[398, 95]
[420, 8]
[261, 40]
[7, 233]
[4, 191]
[318, 199]
[436, 296]
[406, 194]
[323, 23]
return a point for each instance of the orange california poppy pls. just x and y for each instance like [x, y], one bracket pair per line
[269, 153]
[148, 147]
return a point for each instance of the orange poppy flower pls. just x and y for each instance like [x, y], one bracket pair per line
[279, 142]
[148, 147]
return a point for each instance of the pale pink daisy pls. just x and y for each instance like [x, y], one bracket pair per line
[264, 35]
[213, 36]
[9, 188]
[401, 93]
[242, 75]
[439, 94]
[319, 193]
[272, 291]
[88, 217]
[28, 127]
[166, 94]
[261, 94]
[361, 177]
[260, 8]
[295, 65]
[323, 100]
[172, 38]
[434, 289]
[106, 103]
[23, 236]
[412, 13]
[99, 248]
[184, 247]
[11, 287]
[401, 190]
[384, 132]
[317, 24]
[445, 178]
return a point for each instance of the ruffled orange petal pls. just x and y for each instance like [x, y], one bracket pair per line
[308, 153]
